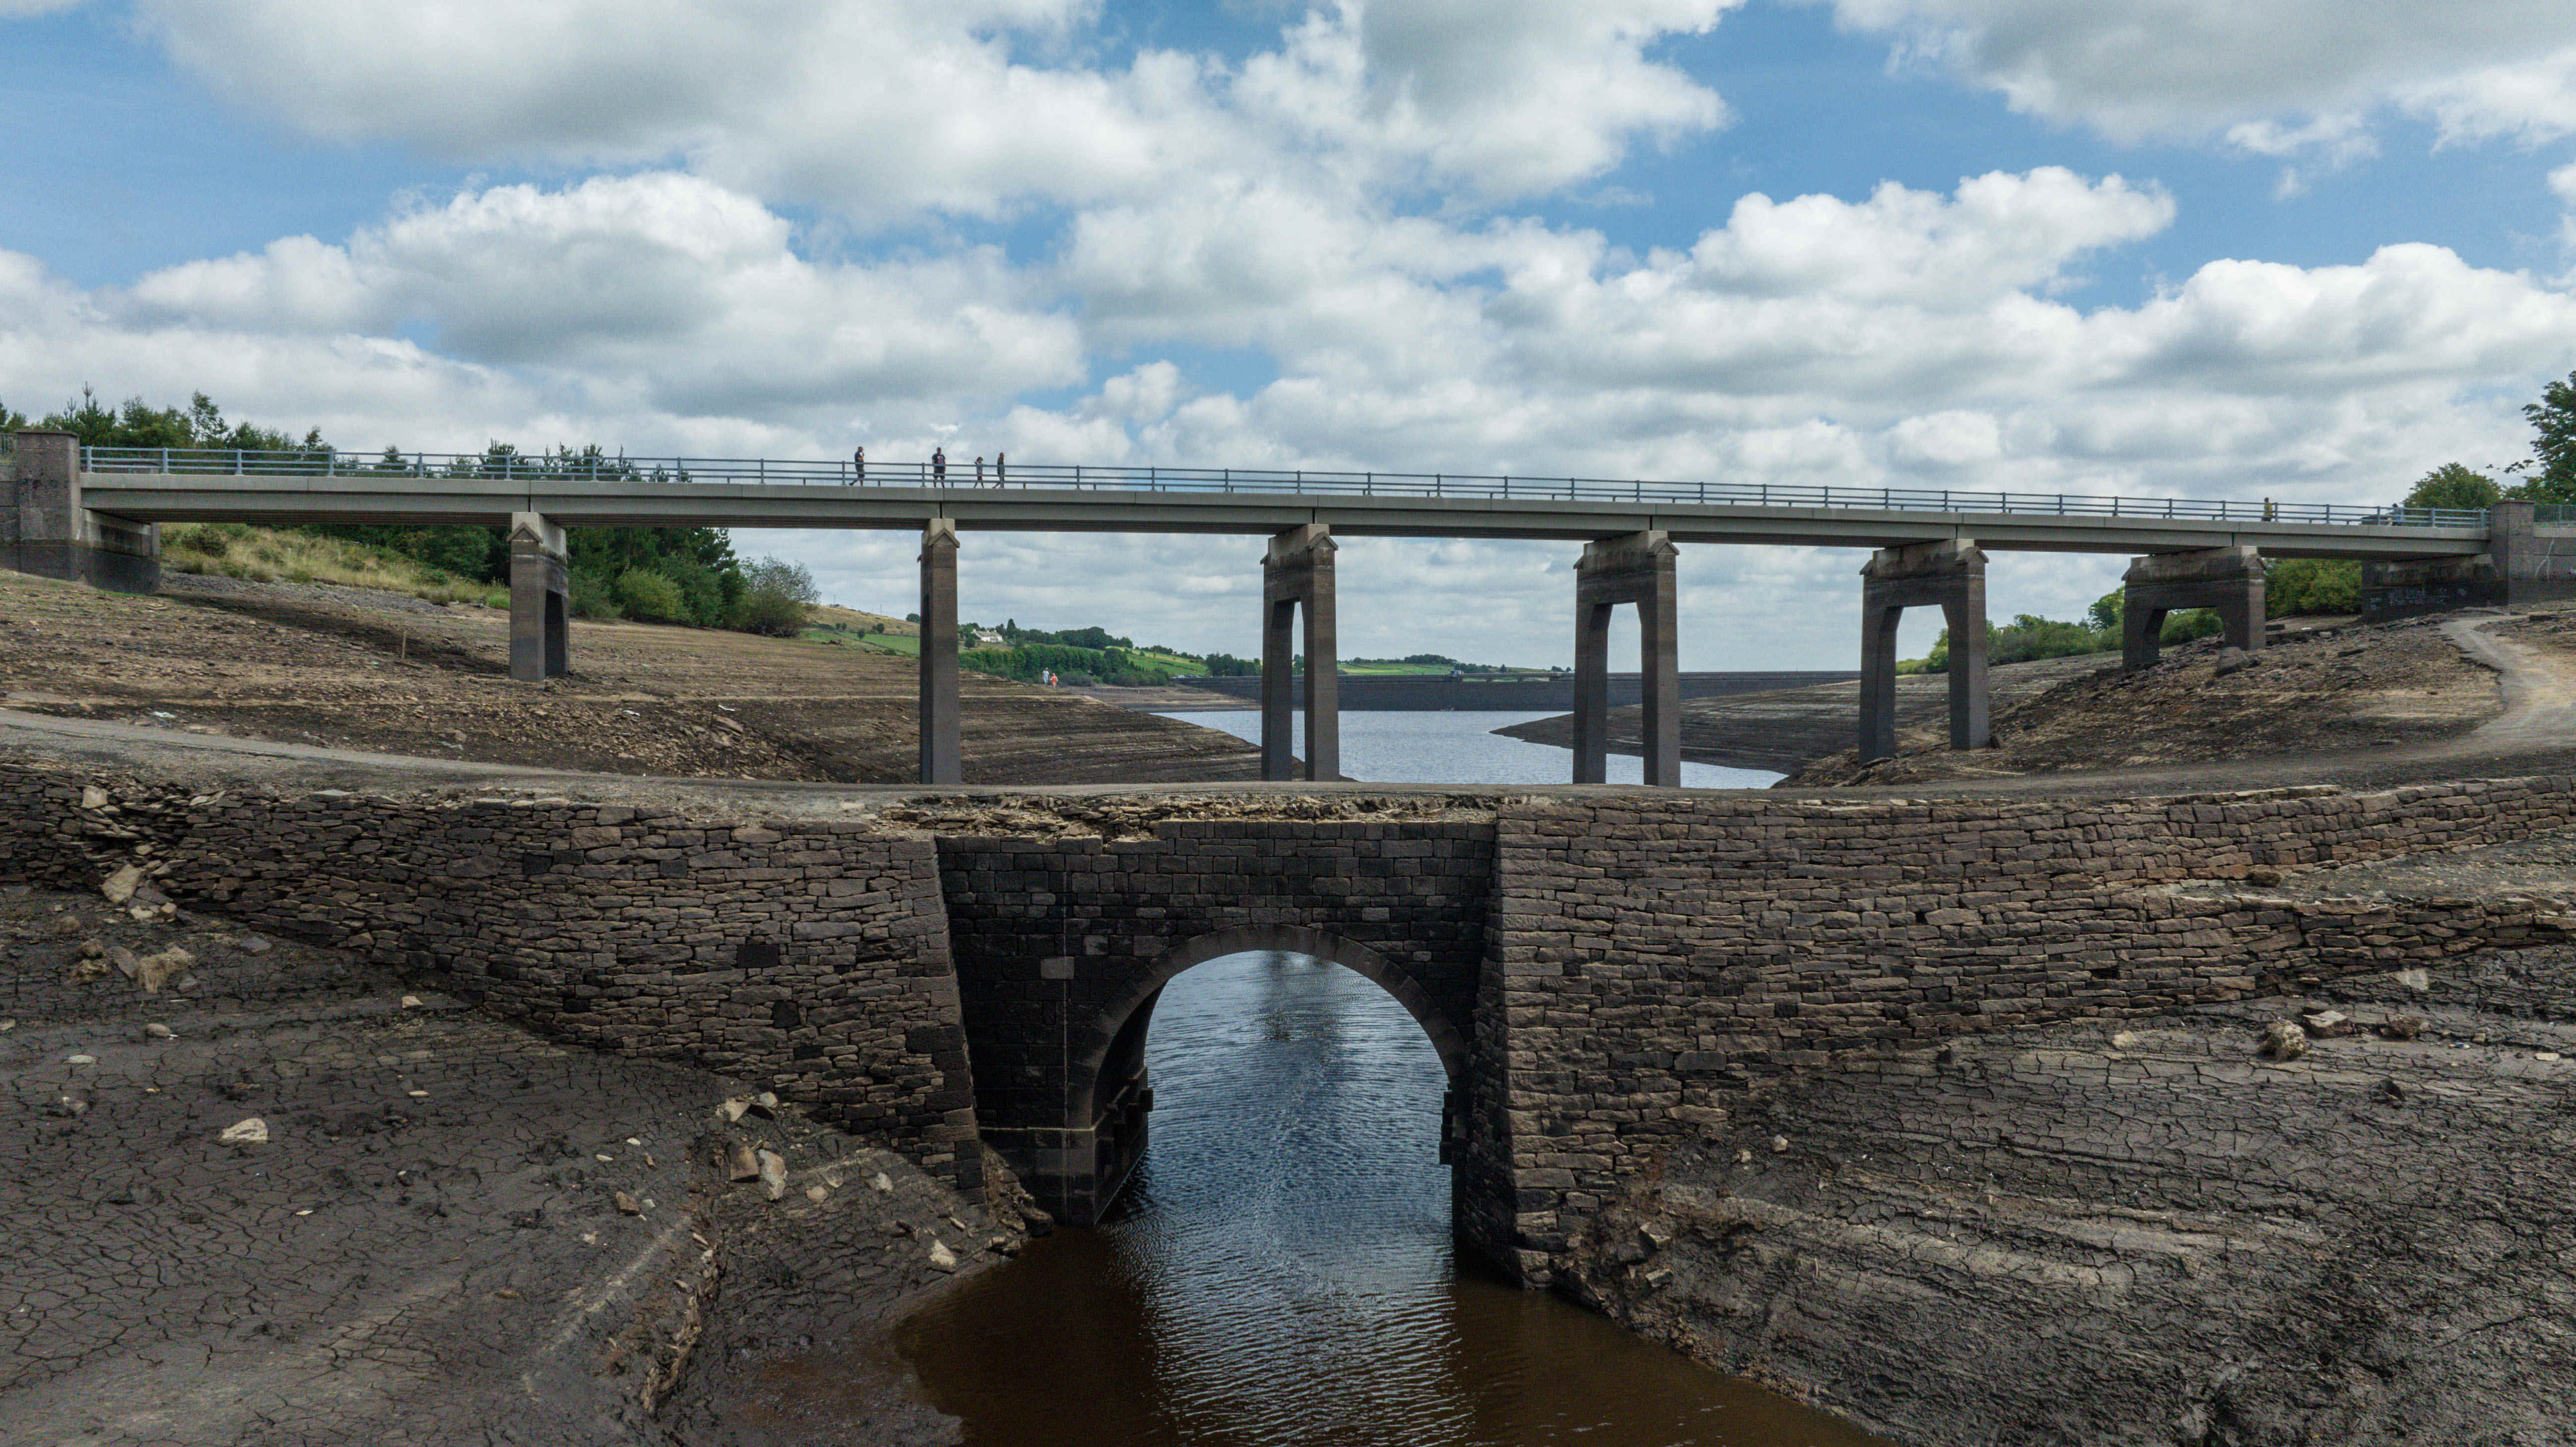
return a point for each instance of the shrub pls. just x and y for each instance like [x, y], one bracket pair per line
[649, 596]
[592, 597]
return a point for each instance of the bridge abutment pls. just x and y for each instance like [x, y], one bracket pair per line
[2229, 580]
[942, 730]
[1949, 575]
[540, 600]
[1297, 576]
[46, 530]
[1637, 568]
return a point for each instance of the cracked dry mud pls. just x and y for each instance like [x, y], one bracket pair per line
[356, 669]
[430, 1246]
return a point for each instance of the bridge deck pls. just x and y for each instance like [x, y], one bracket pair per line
[1571, 514]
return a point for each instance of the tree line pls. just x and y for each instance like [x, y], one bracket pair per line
[687, 576]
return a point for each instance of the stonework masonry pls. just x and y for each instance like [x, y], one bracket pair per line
[812, 955]
[1606, 970]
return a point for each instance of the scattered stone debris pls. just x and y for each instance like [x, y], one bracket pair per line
[627, 1205]
[940, 1256]
[250, 1132]
[2399, 1027]
[741, 1164]
[2320, 1023]
[773, 1175]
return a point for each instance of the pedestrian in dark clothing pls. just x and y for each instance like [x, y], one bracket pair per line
[938, 465]
[859, 464]
[1001, 468]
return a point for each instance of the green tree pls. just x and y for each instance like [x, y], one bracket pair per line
[2455, 485]
[774, 598]
[2312, 585]
[2553, 459]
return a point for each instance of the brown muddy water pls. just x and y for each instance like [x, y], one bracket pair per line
[1281, 1273]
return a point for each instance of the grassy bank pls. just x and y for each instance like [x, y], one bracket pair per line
[265, 555]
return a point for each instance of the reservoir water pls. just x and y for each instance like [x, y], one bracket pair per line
[1280, 1271]
[1461, 747]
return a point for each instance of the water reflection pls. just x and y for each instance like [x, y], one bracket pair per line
[1280, 1271]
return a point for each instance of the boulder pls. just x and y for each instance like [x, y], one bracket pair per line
[2284, 1041]
[119, 887]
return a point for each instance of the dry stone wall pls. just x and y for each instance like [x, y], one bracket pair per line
[1654, 957]
[811, 957]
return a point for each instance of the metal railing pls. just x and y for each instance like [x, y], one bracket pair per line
[586, 470]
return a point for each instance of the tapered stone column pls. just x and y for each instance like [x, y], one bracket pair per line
[1949, 575]
[2227, 579]
[1637, 568]
[1298, 572]
[45, 529]
[540, 600]
[942, 747]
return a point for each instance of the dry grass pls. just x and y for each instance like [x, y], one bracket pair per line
[262, 555]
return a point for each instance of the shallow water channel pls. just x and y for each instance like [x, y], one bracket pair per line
[1280, 1270]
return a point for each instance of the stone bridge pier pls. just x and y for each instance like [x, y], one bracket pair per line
[1949, 575]
[1637, 568]
[46, 530]
[1297, 578]
[540, 600]
[2227, 579]
[1063, 947]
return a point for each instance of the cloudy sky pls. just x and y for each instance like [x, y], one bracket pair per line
[2304, 249]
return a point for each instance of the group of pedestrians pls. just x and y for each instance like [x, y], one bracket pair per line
[938, 467]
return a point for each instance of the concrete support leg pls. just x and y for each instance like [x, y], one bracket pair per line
[45, 530]
[1637, 568]
[2534, 561]
[942, 746]
[1949, 575]
[2229, 580]
[1298, 572]
[540, 600]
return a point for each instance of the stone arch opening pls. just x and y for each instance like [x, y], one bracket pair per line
[1107, 1084]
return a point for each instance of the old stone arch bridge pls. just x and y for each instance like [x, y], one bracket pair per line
[1605, 972]
[1063, 947]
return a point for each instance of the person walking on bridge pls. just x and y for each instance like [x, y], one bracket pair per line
[938, 465]
[1001, 468]
[858, 465]
[979, 469]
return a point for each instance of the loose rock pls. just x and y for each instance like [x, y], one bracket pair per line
[773, 1175]
[940, 1256]
[120, 886]
[250, 1132]
[2284, 1041]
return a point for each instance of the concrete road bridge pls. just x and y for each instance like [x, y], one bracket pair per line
[91, 512]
